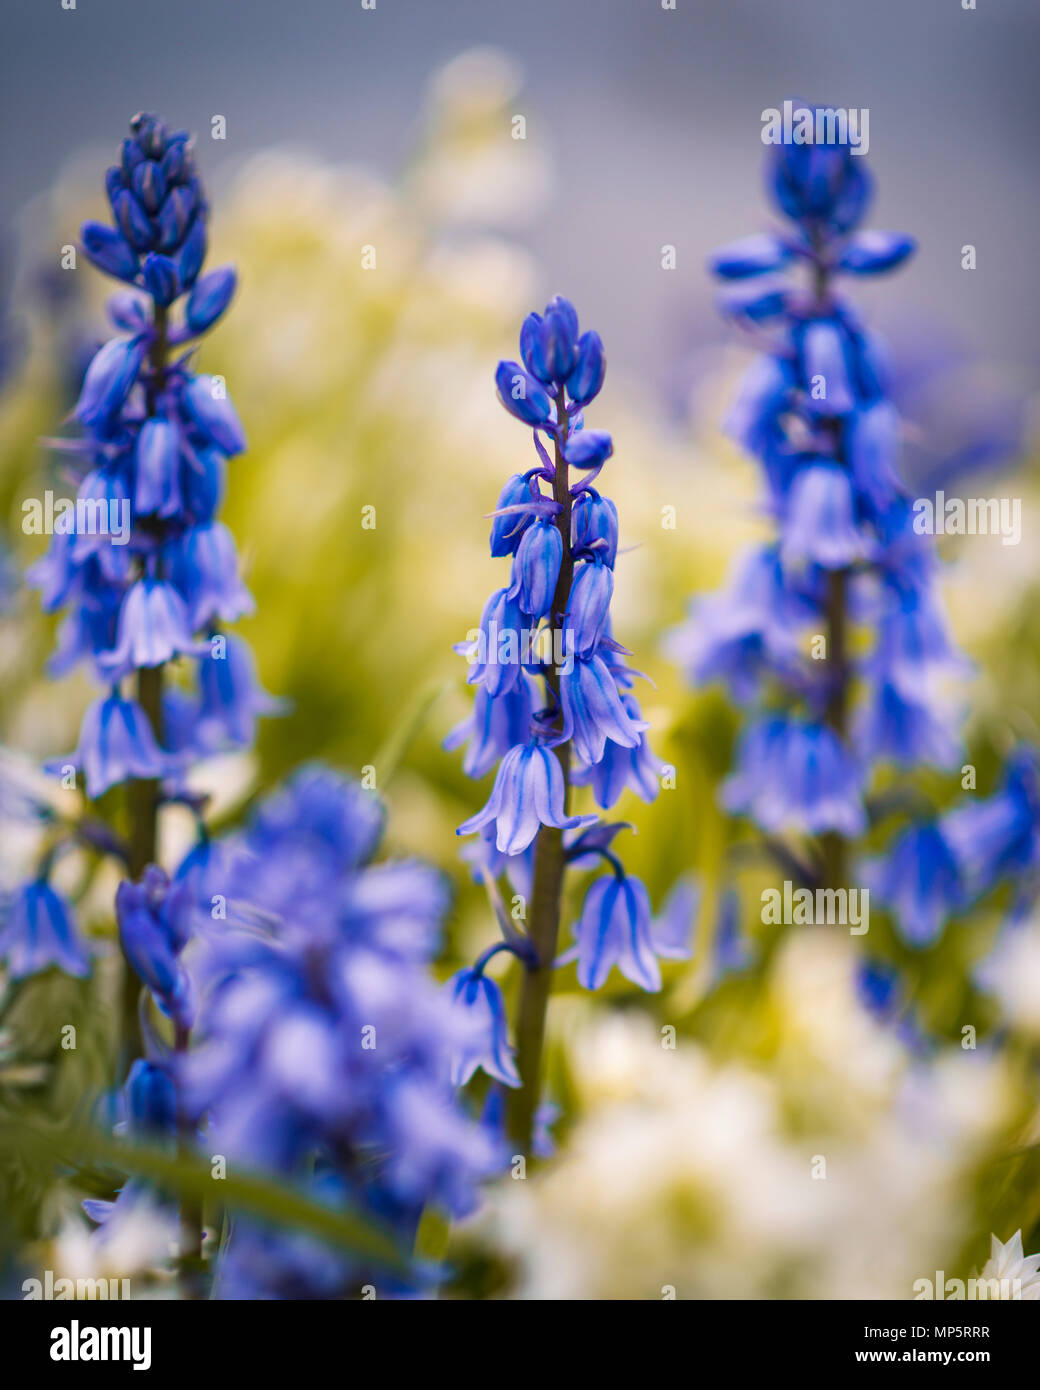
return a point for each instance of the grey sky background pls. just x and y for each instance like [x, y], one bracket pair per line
[655, 116]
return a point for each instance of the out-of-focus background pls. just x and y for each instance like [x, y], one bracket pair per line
[393, 128]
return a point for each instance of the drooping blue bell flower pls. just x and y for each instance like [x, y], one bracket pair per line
[536, 568]
[485, 1043]
[528, 793]
[38, 931]
[116, 743]
[592, 709]
[615, 929]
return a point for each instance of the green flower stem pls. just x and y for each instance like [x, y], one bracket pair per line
[143, 796]
[549, 864]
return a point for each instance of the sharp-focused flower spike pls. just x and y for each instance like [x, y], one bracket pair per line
[587, 732]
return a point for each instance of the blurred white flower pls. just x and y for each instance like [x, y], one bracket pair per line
[833, 1166]
[1012, 973]
[1007, 1262]
[139, 1237]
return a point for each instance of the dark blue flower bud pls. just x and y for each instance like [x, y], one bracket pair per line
[130, 157]
[532, 348]
[108, 250]
[133, 220]
[210, 297]
[175, 215]
[560, 336]
[148, 185]
[115, 181]
[870, 253]
[536, 568]
[193, 252]
[588, 448]
[507, 530]
[151, 1102]
[109, 380]
[590, 367]
[177, 163]
[160, 278]
[595, 525]
[150, 133]
[751, 255]
[521, 394]
[755, 300]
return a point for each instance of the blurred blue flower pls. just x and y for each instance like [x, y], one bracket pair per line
[919, 881]
[478, 1000]
[115, 743]
[321, 1036]
[38, 931]
[615, 929]
[154, 927]
[797, 775]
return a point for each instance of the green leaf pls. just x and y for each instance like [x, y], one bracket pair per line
[189, 1177]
